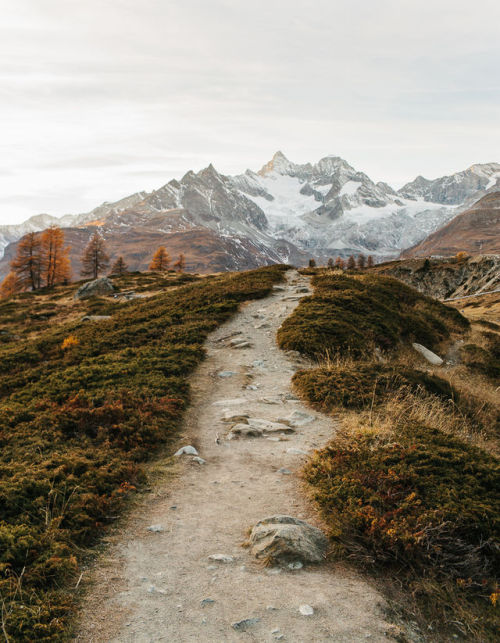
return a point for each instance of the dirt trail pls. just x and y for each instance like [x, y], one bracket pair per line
[151, 585]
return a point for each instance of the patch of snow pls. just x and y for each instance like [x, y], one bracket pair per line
[349, 188]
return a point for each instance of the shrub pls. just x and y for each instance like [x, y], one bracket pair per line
[354, 313]
[75, 426]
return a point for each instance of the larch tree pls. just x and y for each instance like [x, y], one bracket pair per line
[10, 286]
[312, 263]
[351, 263]
[361, 262]
[56, 267]
[94, 257]
[339, 263]
[161, 260]
[180, 264]
[330, 263]
[119, 267]
[370, 262]
[27, 265]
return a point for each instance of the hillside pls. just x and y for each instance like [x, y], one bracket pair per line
[285, 212]
[476, 231]
[446, 278]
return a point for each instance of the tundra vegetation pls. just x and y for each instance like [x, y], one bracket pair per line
[82, 406]
[409, 484]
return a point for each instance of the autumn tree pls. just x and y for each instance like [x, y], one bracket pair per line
[312, 263]
[119, 267]
[370, 262]
[161, 260]
[330, 263]
[351, 263]
[27, 265]
[361, 262]
[180, 264]
[10, 285]
[94, 257]
[56, 267]
[339, 263]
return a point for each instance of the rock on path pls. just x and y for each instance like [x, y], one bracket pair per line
[215, 504]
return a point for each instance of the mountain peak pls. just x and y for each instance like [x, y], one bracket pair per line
[279, 164]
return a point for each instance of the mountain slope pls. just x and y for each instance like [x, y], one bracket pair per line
[477, 230]
[283, 212]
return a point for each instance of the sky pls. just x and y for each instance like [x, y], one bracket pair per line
[103, 98]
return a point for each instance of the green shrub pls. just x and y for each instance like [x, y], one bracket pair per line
[354, 313]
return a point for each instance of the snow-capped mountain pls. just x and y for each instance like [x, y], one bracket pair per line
[285, 211]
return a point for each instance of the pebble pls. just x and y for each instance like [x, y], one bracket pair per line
[227, 373]
[221, 558]
[295, 565]
[275, 631]
[207, 601]
[271, 608]
[241, 626]
[199, 460]
[242, 345]
[187, 450]
[306, 610]
[155, 528]
[294, 451]
[285, 472]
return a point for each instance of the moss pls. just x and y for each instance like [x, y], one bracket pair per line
[76, 424]
[354, 313]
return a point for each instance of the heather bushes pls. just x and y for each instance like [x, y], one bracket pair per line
[78, 417]
[355, 313]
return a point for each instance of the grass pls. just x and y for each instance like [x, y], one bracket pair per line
[355, 313]
[81, 407]
[409, 486]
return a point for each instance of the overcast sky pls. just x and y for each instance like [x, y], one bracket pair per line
[102, 98]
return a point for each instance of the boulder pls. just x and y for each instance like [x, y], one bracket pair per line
[244, 431]
[96, 288]
[281, 539]
[429, 355]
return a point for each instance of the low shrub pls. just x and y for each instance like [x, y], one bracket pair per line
[77, 422]
[354, 313]
[419, 502]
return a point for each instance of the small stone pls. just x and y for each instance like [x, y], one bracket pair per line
[275, 631]
[285, 472]
[226, 373]
[199, 460]
[252, 387]
[294, 451]
[156, 528]
[151, 589]
[212, 567]
[244, 431]
[187, 450]
[295, 565]
[300, 418]
[207, 601]
[271, 608]
[280, 637]
[306, 610]
[221, 558]
[429, 355]
[242, 626]
[173, 507]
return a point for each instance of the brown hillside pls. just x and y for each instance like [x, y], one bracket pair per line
[476, 231]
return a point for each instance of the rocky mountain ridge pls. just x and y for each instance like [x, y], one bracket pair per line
[285, 211]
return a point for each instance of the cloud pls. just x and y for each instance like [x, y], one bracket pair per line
[103, 98]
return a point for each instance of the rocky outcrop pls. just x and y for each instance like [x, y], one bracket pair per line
[97, 288]
[284, 539]
[447, 278]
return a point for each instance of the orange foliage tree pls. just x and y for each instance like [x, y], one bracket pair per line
[161, 259]
[27, 264]
[10, 285]
[339, 263]
[56, 266]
